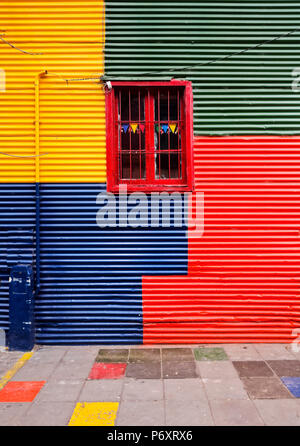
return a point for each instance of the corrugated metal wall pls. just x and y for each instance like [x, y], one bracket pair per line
[237, 283]
[66, 39]
[249, 93]
[91, 290]
[243, 274]
[17, 216]
[70, 37]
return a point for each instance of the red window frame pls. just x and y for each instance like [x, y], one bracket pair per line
[150, 183]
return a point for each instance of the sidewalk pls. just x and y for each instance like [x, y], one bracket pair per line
[249, 384]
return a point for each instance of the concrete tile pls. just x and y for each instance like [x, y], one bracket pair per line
[7, 360]
[273, 351]
[150, 370]
[104, 370]
[112, 355]
[60, 391]
[47, 414]
[208, 345]
[177, 354]
[235, 413]
[252, 368]
[191, 413]
[143, 390]
[94, 414]
[217, 369]
[122, 347]
[82, 349]
[262, 388]
[101, 390]
[47, 355]
[210, 354]
[68, 371]
[3, 370]
[285, 368]
[37, 371]
[242, 352]
[184, 389]
[39, 347]
[141, 413]
[9, 412]
[77, 362]
[282, 412]
[144, 355]
[294, 350]
[172, 370]
[293, 384]
[10, 357]
[218, 389]
[20, 391]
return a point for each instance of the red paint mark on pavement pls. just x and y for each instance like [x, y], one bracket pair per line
[20, 391]
[101, 370]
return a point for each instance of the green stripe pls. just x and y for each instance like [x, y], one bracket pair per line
[249, 93]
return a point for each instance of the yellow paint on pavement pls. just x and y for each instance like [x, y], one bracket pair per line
[94, 414]
[15, 368]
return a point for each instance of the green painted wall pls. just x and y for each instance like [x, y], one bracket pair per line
[248, 93]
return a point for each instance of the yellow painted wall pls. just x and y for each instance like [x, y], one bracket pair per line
[70, 35]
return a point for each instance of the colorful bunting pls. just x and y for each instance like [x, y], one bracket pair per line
[172, 127]
[125, 127]
[133, 127]
[163, 128]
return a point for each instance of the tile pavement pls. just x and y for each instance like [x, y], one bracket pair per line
[205, 385]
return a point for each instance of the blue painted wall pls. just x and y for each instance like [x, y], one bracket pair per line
[91, 277]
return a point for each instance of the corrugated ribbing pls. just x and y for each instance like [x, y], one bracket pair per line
[243, 274]
[248, 93]
[17, 219]
[91, 277]
[66, 39]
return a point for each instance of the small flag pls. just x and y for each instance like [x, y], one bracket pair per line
[125, 127]
[133, 127]
[165, 127]
[172, 127]
[142, 127]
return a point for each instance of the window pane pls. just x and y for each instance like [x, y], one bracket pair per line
[125, 166]
[123, 105]
[125, 139]
[138, 166]
[162, 166]
[174, 109]
[167, 134]
[161, 108]
[137, 100]
[131, 115]
[174, 165]
[168, 166]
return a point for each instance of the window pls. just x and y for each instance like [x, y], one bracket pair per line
[149, 136]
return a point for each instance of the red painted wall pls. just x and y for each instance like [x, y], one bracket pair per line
[244, 272]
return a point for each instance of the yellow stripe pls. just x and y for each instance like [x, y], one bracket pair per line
[15, 368]
[70, 124]
[94, 414]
